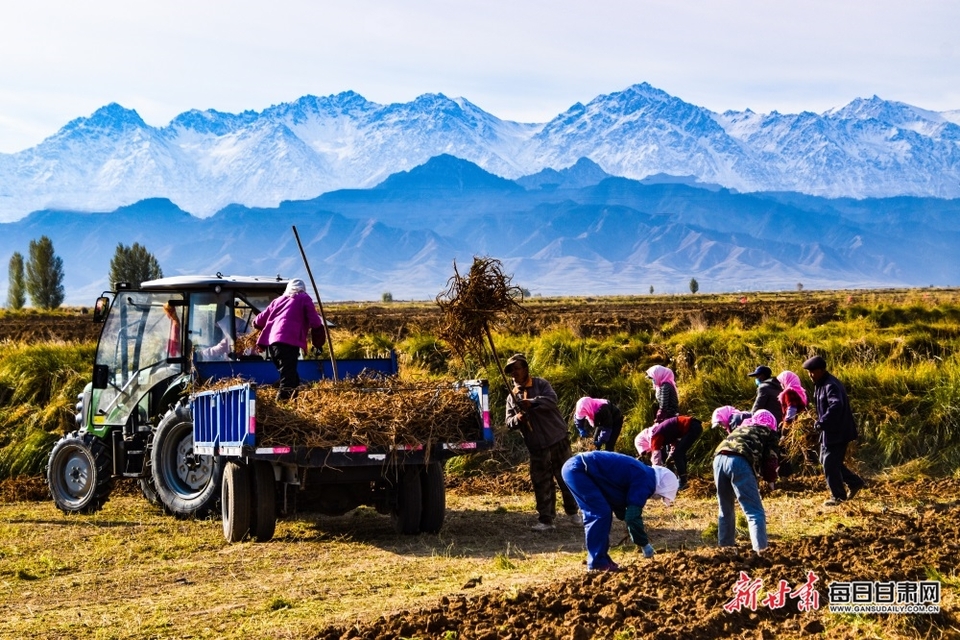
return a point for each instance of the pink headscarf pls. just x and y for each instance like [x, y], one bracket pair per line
[722, 415]
[587, 408]
[790, 380]
[763, 418]
[660, 375]
[642, 441]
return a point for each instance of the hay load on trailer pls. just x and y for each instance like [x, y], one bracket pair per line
[372, 411]
[337, 445]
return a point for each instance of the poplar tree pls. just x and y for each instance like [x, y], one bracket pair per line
[44, 275]
[16, 293]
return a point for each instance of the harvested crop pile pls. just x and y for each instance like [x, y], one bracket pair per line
[376, 412]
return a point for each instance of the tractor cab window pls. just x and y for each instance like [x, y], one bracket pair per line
[221, 325]
[138, 349]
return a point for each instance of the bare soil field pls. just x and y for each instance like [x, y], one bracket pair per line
[130, 572]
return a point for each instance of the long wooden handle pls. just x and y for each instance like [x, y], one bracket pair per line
[333, 360]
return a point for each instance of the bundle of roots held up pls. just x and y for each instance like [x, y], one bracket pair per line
[376, 412]
[474, 304]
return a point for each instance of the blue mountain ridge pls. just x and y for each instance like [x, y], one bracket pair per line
[612, 236]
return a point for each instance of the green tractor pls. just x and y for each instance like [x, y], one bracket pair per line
[133, 418]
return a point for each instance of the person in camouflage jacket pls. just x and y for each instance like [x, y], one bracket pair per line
[748, 451]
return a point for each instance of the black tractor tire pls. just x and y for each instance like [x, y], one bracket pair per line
[433, 498]
[235, 496]
[188, 485]
[79, 473]
[147, 486]
[263, 522]
[406, 515]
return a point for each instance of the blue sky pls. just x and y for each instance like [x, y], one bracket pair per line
[520, 60]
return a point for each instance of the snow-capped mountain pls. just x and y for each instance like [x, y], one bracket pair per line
[205, 160]
[579, 232]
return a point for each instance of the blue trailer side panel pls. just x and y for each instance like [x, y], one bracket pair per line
[224, 420]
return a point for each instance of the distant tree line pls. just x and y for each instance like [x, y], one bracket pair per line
[41, 275]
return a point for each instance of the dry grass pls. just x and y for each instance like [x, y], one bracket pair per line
[130, 572]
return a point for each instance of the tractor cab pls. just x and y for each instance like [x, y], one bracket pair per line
[154, 338]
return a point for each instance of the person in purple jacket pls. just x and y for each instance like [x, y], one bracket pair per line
[605, 484]
[285, 325]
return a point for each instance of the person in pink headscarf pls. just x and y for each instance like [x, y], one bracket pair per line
[728, 418]
[793, 398]
[601, 418]
[665, 387]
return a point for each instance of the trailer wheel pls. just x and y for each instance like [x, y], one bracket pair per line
[406, 515]
[434, 498]
[235, 495]
[79, 473]
[264, 513]
[188, 485]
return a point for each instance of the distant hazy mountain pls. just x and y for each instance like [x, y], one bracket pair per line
[205, 160]
[613, 236]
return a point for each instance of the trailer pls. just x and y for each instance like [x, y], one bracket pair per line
[405, 481]
[136, 419]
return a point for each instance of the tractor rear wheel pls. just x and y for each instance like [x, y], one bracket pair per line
[187, 484]
[79, 473]
[264, 513]
[235, 495]
[147, 486]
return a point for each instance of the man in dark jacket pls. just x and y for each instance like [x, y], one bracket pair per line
[532, 410]
[768, 392]
[837, 429]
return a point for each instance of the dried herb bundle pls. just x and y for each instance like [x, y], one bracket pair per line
[246, 342]
[474, 303]
[799, 444]
[376, 412]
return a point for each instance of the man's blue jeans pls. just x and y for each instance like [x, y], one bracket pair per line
[735, 478]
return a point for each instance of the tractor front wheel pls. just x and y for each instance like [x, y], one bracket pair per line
[79, 473]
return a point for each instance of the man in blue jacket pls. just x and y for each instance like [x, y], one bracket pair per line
[837, 429]
[607, 484]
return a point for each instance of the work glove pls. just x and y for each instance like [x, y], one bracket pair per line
[318, 337]
[582, 427]
[633, 516]
[602, 437]
[648, 550]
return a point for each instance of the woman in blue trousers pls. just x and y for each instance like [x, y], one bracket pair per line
[605, 484]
